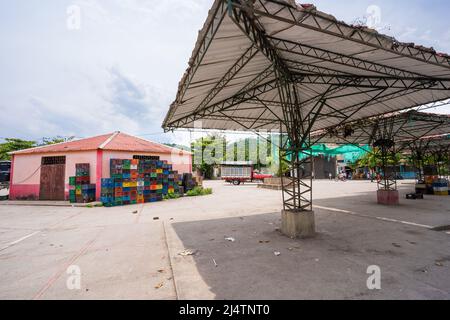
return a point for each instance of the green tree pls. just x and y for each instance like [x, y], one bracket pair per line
[13, 144]
[55, 140]
[254, 153]
[278, 169]
[214, 145]
[371, 160]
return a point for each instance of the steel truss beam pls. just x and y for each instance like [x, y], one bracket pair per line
[213, 27]
[405, 138]
[262, 43]
[340, 59]
[229, 75]
[256, 34]
[283, 11]
[259, 42]
[380, 97]
[299, 67]
[219, 14]
[374, 82]
[251, 90]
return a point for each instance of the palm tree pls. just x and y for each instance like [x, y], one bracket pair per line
[371, 160]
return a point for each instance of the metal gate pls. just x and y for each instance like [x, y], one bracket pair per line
[52, 178]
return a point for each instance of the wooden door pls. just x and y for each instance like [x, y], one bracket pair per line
[53, 171]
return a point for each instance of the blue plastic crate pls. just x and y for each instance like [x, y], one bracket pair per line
[107, 183]
[106, 200]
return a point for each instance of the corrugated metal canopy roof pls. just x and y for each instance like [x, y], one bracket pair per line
[401, 127]
[354, 72]
[432, 144]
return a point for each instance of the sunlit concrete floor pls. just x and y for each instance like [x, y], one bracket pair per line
[133, 252]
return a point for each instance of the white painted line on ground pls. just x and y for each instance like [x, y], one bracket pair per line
[377, 218]
[36, 232]
[19, 240]
[406, 222]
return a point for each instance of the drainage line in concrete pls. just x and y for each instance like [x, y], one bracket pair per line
[170, 261]
[63, 269]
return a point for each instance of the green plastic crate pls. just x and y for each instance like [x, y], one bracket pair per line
[72, 181]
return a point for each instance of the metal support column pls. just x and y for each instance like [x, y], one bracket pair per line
[297, 187]
[389, 177]
[297, 215]
[418, 163]
[383, 137]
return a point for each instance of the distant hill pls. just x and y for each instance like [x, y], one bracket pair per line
[178, 146]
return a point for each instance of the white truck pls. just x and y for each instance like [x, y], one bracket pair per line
[240, 172]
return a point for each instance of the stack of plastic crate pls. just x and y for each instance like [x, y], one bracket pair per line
[116, 170]
[140, 181]
[72, 191]
[82, 191]
[107, 193]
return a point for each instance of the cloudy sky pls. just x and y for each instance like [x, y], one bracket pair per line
[121, 68]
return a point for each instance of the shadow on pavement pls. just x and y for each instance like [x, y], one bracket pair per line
[332, 265]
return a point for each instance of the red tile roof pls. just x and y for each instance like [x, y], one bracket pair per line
[116, 141]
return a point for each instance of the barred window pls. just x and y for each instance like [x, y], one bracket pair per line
[137, 157]
[46, 161]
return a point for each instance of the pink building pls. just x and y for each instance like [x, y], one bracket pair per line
[43, 173]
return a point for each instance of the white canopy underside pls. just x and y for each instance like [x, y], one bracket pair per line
[230, 43]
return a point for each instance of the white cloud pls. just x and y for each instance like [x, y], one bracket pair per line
[121, 70]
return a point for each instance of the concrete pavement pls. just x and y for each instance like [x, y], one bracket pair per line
[133, 252]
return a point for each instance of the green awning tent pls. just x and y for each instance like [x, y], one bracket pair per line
[350, 153]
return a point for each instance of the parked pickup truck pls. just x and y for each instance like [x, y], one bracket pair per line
[241, 172]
